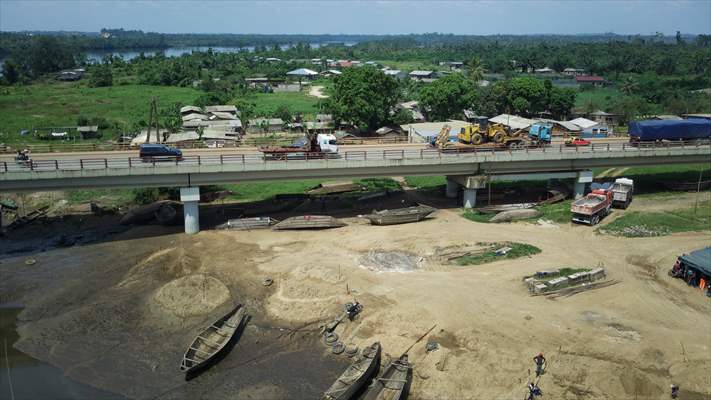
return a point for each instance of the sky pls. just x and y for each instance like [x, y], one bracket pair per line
[483, 17]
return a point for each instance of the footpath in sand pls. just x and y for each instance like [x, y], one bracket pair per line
[126, 301]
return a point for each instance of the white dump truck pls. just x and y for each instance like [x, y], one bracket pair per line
[622, 191]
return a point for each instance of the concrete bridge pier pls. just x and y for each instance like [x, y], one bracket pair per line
[583, 178]
[190, 196]
[452, 188]
[470, 184]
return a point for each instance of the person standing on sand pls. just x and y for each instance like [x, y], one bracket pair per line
[540, 364]
[674, 391]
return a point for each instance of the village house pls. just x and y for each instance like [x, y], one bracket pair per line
[182, 138]
[605, 118]
[544, 70]
[422, 76]
[265, 125]
[573, 72]
[414, 108]
[88, 132]
[590, 80]
[452, 65]
[330, 72]
[70, 75]
[395, 73]
[591, 128]
[257, 82]
[562, 128]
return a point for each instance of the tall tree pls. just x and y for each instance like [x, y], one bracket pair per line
[363, 96]
[629, 86]
[475, 69]
[447, 97]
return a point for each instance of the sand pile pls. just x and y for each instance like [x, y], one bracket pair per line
[192, 295]
[391, 261]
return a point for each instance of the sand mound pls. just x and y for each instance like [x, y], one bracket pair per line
[192, 295]
[391, 261]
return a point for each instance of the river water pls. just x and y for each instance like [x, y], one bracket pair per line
[26, 378]
[97, 56]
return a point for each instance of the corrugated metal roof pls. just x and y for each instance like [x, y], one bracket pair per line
[221, 108]
[222, 115]
[421, 73]
[187, 109]
[194, 116]
[513, 121]
[218, 135]
[302, 72]
[182, 137]
[432, 129]
[568, 125]
[91, 128]
[270, 121]
[583, 122]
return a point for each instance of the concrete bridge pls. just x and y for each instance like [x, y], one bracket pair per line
[467, 170]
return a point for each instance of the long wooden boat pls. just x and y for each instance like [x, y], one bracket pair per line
[395, 382]
[309, 222]
[400, 215]
[356, 375]
[505, 207]
[241, 224]
[687, 186]
[212, 342]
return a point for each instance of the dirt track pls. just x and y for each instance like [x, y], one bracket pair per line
[627, 341]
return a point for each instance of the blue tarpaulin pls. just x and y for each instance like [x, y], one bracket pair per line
[699, 259]
[686, 129]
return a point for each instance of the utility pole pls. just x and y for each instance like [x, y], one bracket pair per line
[698, 189]
[153, 119]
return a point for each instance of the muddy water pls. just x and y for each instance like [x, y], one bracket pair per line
[21, 373]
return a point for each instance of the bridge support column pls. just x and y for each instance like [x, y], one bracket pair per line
[470, 184]
[452, 188]
[190, 196]
[469, 198]
[583, 178]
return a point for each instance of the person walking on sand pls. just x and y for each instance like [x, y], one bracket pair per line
[674, 391]
[540, 364]
[533, 391]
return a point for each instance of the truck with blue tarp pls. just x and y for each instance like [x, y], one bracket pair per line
[649, 131]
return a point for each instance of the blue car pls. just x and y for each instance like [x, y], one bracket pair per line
[159, 152]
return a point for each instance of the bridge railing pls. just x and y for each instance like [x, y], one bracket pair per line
[355, 155]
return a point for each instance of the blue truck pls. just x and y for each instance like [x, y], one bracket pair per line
[649, 131]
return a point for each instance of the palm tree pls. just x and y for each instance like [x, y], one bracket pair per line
[476, 69]
[629, 86]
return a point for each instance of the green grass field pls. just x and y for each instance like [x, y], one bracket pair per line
[59, 104]
[601, 98]
[267, 103]
[646, 224]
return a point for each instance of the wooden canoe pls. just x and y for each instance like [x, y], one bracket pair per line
[241, 224]
[213, 341]
[309, 222]
[395, 382]
[356, 375]
[400, 215]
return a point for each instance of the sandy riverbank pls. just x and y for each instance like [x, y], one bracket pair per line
[102, 308]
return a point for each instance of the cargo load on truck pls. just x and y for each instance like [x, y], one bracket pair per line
[669, 130]
[622, 191]
[485, 135]
[320, 145]
[593, 207]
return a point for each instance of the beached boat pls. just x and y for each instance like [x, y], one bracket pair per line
[505, 207]
[400, 215]
[309, 222]
[356, 375]
[242, 224]
[212, 342]
[394, 383]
